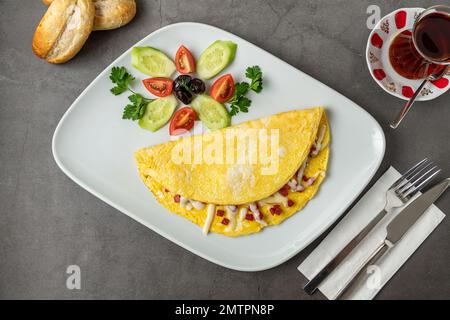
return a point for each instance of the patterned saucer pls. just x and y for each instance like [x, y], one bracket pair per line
[377, 55]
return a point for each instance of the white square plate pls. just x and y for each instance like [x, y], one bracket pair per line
[95, 147]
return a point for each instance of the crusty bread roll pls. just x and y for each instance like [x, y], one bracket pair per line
[63, 30]
[111, 14]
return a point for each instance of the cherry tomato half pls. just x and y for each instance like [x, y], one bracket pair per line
[182, 121]
[184, 60]
[160, 87]
[223, 88]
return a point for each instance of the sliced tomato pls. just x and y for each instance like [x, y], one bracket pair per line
[182, 121]
[160, 87]
[184, 60]
[223, 88]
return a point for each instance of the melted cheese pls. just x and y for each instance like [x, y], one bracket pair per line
[257, 214]
[300, 173]
[318, 144]
[197, 204]
[211, 211]
[183, 202]
[231, 214]
[242, 213]
[275, 199]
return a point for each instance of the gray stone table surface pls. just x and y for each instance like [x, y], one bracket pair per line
[47, 222]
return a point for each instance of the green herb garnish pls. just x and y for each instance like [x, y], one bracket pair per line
[122, 79]
[239, 102]
[136, 109]
[255, 74]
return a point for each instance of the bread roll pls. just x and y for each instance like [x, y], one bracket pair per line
[63, 30]
[111, 14]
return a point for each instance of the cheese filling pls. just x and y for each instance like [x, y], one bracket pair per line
[209, 218]
[231, 213]
[257, 214]
[317, 146]
[276, 198]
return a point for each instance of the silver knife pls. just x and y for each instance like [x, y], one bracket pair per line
[398, 227]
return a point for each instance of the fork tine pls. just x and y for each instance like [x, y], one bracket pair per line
[404, 178]
[428, 169]
[396, 183]
[422, 185]
[411, 184]
[415, 189]
[415, 177]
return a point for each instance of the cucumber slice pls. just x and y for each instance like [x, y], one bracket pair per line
[216, 58]
[158, 113]
[213, 114]
[152, 62]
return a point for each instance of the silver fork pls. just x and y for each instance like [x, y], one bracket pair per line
[401, 191]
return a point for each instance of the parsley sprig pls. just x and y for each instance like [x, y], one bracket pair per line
[255, 74]
[136, 109]
[122, 80]
[239, 102]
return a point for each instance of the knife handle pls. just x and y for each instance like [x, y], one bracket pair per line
[374, 257]
[312, 285]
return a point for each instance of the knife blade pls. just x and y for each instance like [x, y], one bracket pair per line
[397, 228]
[408, 216]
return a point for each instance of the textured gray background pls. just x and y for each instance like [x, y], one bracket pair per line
[47, 222]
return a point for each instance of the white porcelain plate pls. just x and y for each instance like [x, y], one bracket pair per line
[95, 147]
[378, 62]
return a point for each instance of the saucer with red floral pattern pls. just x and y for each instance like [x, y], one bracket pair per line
[377, 55]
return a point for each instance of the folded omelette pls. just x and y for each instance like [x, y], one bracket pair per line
[238, 180]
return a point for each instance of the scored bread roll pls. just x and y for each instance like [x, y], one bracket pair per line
[63, 30]
[111, 14]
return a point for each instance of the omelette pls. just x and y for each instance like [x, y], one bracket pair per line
[238, 180]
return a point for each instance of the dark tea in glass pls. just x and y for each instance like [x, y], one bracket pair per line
[418, 53]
